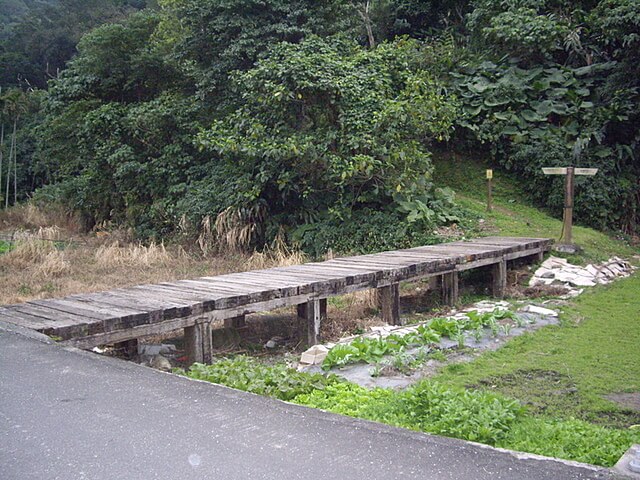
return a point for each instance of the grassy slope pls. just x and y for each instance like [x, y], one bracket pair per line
[560, 372]
[512, 215]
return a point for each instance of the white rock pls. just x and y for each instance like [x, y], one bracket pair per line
[315, 355]
[160, 363]
[579, 281]
[540, 311]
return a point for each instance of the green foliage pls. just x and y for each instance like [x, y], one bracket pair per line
[361, 231]
[572, 439]
[326, 126]
[5, 247]
[426, 406]
[555, 116]
[39, 37]
[372, 350]
[476, 416]
[329, 141]
[249, 375]
[520, 27]
[353, 400]
[216, 37]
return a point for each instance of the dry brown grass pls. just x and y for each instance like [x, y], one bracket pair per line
[29, 216]
[133, 255]
[352, 313]
[278, 254]
[52, 261]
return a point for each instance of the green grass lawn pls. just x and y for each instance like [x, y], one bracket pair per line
[562, 373]
[513, 215]
[566, 370]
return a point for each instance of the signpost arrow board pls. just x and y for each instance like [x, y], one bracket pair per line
[570, 173]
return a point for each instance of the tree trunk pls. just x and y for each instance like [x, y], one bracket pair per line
[363, 11]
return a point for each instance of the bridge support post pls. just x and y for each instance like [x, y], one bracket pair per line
[310, 315]
[235, 322]
[450, 291]
[129, 348]
[499, 278]
[389, 301]
[197, 342]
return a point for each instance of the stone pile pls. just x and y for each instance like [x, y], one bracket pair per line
[558, 271]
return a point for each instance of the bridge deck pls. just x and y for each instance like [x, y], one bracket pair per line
[88, 320]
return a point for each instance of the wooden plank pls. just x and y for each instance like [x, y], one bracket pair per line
[125, 317]
[66, 325]
[245, 292]
[138, 331]
[151, 301]
[153, 313]
[25, 320]
[76, 308]
[266, 289]
[478, 263]
[195, 300]
[58, 328]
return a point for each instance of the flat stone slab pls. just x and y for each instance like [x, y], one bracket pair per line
[70, 415]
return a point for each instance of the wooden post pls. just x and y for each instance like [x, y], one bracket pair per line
[499, 277]
[129, 348]
[568, 205]
[197, 342]
[489, 190]
[570, 173]
[235, 322]
[450, 288]
[389, 301]
[311, 315]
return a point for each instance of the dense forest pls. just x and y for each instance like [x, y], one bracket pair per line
[316, 121]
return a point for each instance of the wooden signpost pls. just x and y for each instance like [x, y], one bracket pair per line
[489, 190]
[570, 173]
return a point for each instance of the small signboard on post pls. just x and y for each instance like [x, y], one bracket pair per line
[489, 190]
[570, 173]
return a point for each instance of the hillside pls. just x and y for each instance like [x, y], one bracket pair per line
[514, 213]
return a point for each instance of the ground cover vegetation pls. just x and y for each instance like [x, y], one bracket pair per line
[315, 121]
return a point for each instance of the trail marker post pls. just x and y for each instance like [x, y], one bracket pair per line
[489, 190]
[567, 225]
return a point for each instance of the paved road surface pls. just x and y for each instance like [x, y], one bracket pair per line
[68, 415]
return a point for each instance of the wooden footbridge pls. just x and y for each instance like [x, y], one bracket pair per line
[126, 314]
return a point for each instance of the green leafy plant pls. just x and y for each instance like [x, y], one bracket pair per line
[245, 373]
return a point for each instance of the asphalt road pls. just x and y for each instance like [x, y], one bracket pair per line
[66, 414]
